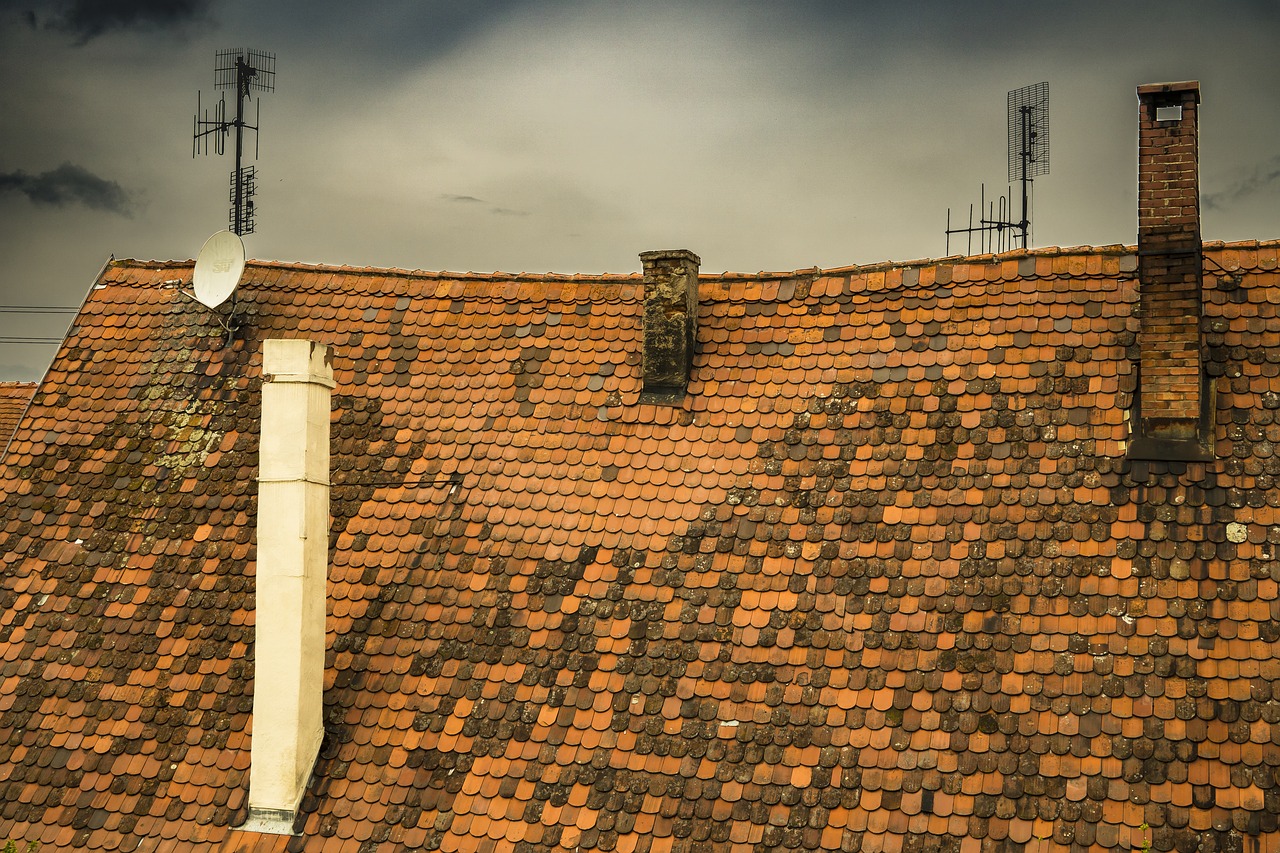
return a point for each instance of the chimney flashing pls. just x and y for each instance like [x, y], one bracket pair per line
[270, 821]
[1156, 449]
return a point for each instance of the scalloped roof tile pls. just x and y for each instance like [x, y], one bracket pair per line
[885, 580]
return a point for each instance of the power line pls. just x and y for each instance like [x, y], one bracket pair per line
[34, 309]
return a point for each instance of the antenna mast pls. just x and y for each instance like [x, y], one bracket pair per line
[1028, 157]
[244, 71]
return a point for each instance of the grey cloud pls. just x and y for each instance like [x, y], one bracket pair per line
[1262, 177]
[85, 20]
[390, 37]
[66, 185]
[470, 199]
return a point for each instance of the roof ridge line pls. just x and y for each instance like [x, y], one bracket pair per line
[763, 275]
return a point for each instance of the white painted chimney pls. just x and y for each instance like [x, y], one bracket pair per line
[292, 571]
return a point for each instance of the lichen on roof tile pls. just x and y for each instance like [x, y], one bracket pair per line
[885, 580]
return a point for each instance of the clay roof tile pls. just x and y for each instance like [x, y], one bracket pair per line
[890, 534]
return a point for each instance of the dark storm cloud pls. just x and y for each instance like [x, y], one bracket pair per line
[1263, 177]
[67, 185]
[374, 40]
[463, 199]
[85, 20]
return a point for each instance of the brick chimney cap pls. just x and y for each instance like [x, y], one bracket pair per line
[1170, 88]
[670, 253]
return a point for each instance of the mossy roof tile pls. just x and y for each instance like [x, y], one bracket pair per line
[884, 579]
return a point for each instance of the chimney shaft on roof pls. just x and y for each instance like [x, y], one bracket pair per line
[670, 322]
[292, 571]
[1174, 406]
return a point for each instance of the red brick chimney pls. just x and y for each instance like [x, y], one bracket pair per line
[1174, 406]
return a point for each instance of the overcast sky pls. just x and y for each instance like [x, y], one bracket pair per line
[540, 135]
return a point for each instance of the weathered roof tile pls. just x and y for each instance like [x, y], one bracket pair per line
[884, 579]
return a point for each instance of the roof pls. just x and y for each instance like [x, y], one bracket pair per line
[884, 581]
[14, 397]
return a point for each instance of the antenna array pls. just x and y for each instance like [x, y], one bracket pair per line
[243, 71]
[1028, 157]
[1029, 132]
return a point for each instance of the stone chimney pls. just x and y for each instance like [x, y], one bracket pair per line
[292, 571]
[670, 322]
[1174, 412]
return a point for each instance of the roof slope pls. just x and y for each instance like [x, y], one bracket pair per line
[884, 582]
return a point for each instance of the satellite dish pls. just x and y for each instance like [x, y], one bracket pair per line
[218, 268]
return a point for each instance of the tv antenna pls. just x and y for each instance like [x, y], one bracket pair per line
[1028, 157]
[245, 71]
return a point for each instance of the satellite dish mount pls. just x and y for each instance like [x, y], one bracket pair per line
[1028, 157]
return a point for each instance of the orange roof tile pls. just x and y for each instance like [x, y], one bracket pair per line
[884, 578]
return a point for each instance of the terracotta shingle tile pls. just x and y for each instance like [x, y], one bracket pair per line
[543, 652]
